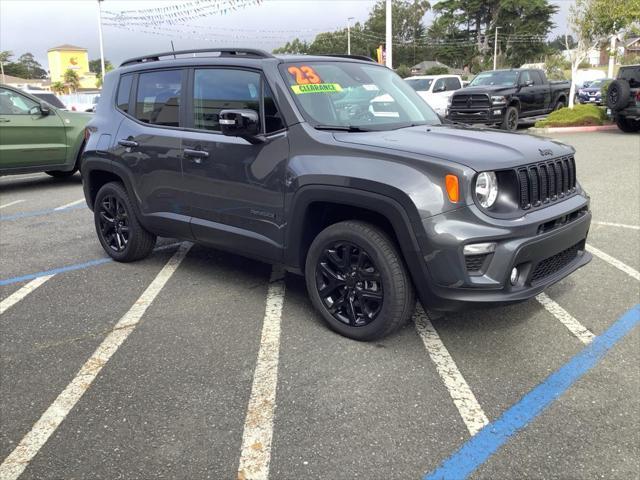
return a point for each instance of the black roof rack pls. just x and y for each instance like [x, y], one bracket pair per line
[342, 55]
[226, 52]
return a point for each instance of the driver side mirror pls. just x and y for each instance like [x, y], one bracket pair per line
[441, 88]
[527, 83]
[41, 109]
[243, 123]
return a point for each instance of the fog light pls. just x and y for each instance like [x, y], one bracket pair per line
[479, 248]
[514, 276]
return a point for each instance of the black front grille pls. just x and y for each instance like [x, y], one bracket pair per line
[556, 263]
[475, 263]
[470, 101]
[546, 181]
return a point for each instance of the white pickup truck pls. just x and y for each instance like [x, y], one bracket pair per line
[436, 89]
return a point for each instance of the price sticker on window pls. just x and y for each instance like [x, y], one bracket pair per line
[304, 75]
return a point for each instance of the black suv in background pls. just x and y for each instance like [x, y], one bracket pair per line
[623, 98]
[283, 160]
[504, 97]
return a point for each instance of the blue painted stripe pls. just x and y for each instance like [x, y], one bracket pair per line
[39, 213]
[488, 440]
[68, 268]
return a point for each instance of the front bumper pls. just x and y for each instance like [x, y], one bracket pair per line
[486, 116]
[545, 245]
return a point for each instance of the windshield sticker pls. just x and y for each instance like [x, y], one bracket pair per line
[316, 88]
[304, 75]
[371, 87]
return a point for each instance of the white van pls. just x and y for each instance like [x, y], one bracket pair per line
[435, 89]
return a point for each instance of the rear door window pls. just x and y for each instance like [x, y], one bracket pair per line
[158, 98]
[631, 75]
[535, 76]
[452, 83]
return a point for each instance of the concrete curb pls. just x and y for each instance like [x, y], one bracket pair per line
[590, 128]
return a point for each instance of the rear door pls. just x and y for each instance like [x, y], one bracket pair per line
[149, 144]
[542, 93]
[28, 138]
[235, 188]
[527, 94]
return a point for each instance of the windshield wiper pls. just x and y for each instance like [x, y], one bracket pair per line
[342, 128]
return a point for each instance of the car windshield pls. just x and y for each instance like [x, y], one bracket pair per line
[503, 78]
[420, 84]
[355, 96]
[596, 83]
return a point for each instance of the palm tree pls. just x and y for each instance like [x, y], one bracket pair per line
[58, 87]
[71, 80]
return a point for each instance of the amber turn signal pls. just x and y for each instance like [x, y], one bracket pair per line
[453, 190]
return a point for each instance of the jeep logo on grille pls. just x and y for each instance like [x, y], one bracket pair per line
[545, 152]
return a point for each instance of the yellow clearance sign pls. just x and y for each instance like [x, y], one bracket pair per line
[316, 88]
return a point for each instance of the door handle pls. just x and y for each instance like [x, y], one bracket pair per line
[196, 155]
[128, 143]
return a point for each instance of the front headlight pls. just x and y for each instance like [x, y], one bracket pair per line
[486, 189]
[449, 100]
[498, 100]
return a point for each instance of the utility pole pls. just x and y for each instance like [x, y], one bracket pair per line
[495, 50]
[100, 39]
[388, 37]
[612, 56]
[349, 35]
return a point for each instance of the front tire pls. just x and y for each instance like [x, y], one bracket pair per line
[117, 226]
[627, 125]
[358, 282]
[510, 120]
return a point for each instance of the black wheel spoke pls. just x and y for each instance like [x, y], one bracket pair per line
[114, 223]
[349, 284]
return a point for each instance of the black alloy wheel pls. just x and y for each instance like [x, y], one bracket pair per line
[512, 119]
[114, 223]
[349, 284]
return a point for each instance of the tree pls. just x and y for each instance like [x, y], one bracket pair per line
[95, 66]
[437, 70]
[58, 87]
[404, 71]
[591, 22]
[560, 43]
[71, 80]
[31, 65]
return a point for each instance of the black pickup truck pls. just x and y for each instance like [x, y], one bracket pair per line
[503, 97]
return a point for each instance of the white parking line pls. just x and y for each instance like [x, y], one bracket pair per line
[255, 455]
[621, 225]
[574, 326]
[30, 445]
[15, 202]
[633, 273]
[70, 204]
[465, 401]
[18, 295]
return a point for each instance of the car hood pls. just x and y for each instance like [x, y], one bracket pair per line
[477, 148]
[490, 89]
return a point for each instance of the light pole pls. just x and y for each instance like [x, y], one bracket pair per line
[349, 35]
[388, 38]
[100, 39]
[495, 49]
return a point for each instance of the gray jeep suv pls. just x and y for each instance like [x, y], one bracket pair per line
[283, 159]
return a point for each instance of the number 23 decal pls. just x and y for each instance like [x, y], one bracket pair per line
[304, 75]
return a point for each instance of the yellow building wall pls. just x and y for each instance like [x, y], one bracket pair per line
[77, 60]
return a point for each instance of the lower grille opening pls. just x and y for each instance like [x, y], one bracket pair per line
[555, 263]
[474, 263]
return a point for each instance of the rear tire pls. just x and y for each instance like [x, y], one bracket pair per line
[357, 280]
[559, 105]
[627, 125]
[510, 120]
[618, 95]
[118, 228]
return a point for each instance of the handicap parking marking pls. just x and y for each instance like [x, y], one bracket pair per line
[477, 450]
[465, 401]
[632, 272]
[70, 204]
[18, 460]
[10, 204]
[583, 334]
[20, 294]
[619, 225]
[75, 266]
[257, 436]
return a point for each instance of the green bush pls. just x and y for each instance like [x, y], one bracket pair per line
[404, 71]
[437, 70]
[604, 89]
[579, 115]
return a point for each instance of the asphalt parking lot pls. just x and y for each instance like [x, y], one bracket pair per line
[196, 363]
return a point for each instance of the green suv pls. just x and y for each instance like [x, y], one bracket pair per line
[36, 137]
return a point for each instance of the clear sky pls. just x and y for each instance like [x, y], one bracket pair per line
[37, 25]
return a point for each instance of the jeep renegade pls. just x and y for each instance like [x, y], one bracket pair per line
[284, 159]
